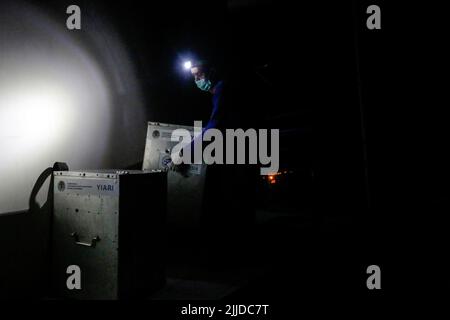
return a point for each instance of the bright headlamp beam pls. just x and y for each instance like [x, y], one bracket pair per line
[187, 65]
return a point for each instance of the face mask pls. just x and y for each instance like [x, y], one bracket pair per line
[203, 84]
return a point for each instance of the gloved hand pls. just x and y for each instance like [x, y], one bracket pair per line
[181, 168]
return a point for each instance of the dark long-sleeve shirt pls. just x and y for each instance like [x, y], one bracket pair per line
[218, 105]
[216, 115]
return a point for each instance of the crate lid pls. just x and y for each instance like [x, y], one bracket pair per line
[108, 174]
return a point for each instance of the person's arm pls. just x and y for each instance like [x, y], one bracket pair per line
[215, 120]
[212, 124]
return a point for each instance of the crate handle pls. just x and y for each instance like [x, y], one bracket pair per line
[94, 240]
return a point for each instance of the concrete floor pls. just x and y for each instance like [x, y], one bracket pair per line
[198, 271]
[196, 268]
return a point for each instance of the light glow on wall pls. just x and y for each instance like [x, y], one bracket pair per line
[35, 116]
[64, 96]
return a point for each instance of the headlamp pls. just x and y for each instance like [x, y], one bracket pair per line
[187, 65]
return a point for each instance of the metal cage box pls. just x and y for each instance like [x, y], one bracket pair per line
[109, 224]
[185, 193]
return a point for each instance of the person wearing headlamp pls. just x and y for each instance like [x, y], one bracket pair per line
[206, 79]
[227, 204]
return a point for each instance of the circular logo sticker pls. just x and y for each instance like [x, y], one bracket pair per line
[155, 134]
[165, 161]
[61, 186]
